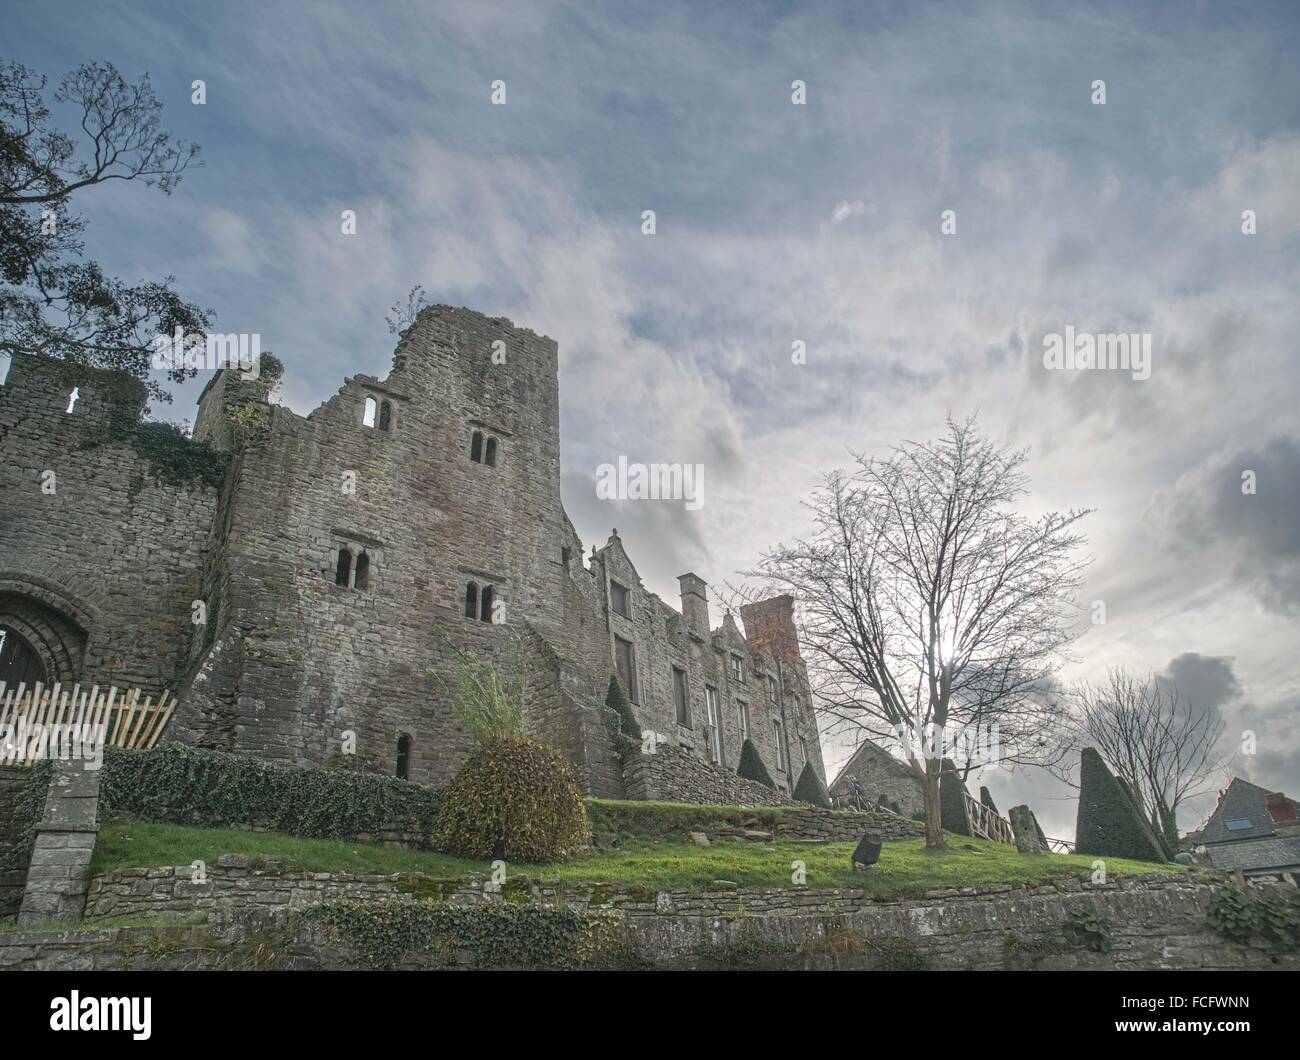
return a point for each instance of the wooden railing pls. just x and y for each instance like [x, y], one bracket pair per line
[123, 720]
[987, 824]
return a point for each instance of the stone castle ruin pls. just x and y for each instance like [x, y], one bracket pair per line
[296, 578]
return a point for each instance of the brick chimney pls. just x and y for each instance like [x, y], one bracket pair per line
[1281, 810]
[769, 626]
[695, 602]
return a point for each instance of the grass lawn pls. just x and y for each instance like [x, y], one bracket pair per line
[905, 866]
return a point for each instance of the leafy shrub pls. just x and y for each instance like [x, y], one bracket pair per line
[1240, 915]
[623, 725]
[488, 701]
[810, 788]
[750, 766]
[1088, 928]
[1109, 824]
[188, 785]
[515, 799]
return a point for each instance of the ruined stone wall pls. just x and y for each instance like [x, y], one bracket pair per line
[100, 574]
[298, 669]
[299, 660]
[672, 774]
[664, 641]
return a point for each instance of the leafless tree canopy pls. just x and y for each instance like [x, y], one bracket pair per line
[928, 603]
[1159, 744]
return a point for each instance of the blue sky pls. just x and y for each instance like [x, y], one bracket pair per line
[778, 223]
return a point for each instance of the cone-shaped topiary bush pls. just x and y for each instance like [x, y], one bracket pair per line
[810, 788]
[514, 799]
[751, 767]
[952, 800]
[1109, 823]
[622, 722]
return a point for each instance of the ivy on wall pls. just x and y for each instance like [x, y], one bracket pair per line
[188, 785]
[381, 933]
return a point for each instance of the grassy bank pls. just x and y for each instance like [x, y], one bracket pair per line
[905, 867]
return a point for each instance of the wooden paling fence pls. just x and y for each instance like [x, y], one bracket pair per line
[987, 824]
[125, 720]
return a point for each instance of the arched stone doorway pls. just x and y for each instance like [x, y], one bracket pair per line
[19, 661]
[41, 642]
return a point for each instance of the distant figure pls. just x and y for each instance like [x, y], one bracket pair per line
[857, 793]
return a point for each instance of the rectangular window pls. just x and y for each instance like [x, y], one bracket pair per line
[737, 669]
[780, 743]
[715, 738]
[625, 662]
[680, 698]
[742, 720]
[771, 687]
[618, 599]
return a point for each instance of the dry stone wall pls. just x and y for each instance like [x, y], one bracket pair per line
[1156, 921]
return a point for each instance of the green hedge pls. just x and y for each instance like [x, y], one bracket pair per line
[1108, 823]
[187, 785]
[810, 788]
[952, 800]
[750, 766]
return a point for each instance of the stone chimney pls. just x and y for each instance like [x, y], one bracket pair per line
[695, 602]
[769, 626]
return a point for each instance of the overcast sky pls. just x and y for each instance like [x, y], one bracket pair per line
[779, 223]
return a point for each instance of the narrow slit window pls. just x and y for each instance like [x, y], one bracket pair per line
[486, 613]
[343, 571]
[471, 600]
[403, 757]
[362, 579]
[476, 447]
[368, 417]
[490, 453]
[385, 415]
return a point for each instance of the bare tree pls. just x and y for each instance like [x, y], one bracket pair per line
[929, 608]
[1158, 743]
[52, 302]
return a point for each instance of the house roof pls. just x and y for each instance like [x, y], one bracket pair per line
[1252, 855]
[868, 749]
[1242, 813]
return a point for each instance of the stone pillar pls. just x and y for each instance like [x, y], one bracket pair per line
[65, 843]
[1028, 835]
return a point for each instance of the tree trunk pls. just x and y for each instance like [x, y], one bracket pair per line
[933, 813]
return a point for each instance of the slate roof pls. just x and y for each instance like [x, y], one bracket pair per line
[869, 748]
[1253, 855]
[1240, 802]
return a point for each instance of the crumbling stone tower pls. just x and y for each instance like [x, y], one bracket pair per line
[350, 542]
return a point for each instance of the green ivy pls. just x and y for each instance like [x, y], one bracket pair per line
[188, 785]
[382, 933]
[1088, 928]
[29, 808]
[1242, 915]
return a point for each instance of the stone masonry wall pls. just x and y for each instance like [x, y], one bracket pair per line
[65, 843]
[99, 575]
[674, 775]
[1156, 921]
[16, 795]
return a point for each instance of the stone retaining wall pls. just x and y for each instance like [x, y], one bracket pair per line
[1156, 921]
[673, 775]
[16, 798]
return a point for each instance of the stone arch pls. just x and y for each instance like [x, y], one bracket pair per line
[52, 624]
